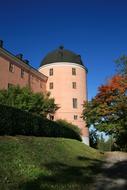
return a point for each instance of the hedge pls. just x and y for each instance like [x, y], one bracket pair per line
[14, 121]
[65, 123]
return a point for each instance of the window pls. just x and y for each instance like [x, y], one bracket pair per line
[10, 85]
[73, 71]
[75, 117]
[51, 117]
[50, 72]
[11, 67]
[41, 85]
[51, 85]
[22, 73]
[74, 102]
[74, 85]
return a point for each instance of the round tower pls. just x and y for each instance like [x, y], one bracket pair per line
[67, 84]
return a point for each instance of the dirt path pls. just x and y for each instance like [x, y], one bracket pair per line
[114, 172]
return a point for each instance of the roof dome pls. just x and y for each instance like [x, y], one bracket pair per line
[61, 55]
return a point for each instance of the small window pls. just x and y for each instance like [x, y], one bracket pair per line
[32, 77]
[11, 67]
[41, 85]
[74, 85]
[51, 117]
[10, 85]
[73, 71]
[22, 73]
[51, 85]
[75, 117]
[74, 102]
[50, 72]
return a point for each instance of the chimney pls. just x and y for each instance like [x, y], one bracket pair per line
[19, 56]
[26, 61]
[1, 43]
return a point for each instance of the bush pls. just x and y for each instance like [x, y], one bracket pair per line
[25, 99]
[14, 121]
[67, 124]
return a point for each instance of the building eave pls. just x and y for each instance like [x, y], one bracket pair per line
[20, 62]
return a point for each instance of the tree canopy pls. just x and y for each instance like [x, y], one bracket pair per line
[107, 111]
[25, 99]
[121, 65]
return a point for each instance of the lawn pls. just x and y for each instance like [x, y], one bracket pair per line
[38, 163]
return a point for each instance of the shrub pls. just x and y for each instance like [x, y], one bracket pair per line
[25, 99]
[14, 121]
[67, 124]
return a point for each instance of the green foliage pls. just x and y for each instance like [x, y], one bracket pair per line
[108, 118]
[17, 122]
[106, 145]
[121, 141]
[107, 111]
[65, 123]
[101, 143]
[36, 163]
[121, 64]
[98, 141]
[25, 99]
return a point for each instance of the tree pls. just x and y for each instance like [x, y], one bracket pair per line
[107, 111]
[25, 99]
[121, 65]
[93, 137]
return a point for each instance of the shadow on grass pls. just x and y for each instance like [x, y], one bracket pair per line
[65, 177]
[113, 176]
[117, 170]
[118, 173]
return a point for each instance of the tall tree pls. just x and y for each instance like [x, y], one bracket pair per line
[107, 111]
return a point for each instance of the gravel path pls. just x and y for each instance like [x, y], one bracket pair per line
[114, 172]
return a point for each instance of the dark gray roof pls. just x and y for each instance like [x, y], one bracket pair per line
[61, 55]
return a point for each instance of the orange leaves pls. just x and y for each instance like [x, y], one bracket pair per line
[107, 111]
[118, 82]
[107, 93]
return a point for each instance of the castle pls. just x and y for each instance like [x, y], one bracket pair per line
[61, 72]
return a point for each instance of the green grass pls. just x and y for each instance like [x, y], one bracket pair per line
[36, 163]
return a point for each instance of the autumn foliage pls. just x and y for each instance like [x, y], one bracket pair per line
[117, 84]
[107, 111]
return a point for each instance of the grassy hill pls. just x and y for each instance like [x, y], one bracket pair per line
[36, 163]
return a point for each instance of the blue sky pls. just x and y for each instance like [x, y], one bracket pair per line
[95, 29]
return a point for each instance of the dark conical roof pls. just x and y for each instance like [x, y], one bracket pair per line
[61, 55]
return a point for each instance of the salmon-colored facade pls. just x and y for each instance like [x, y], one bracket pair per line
[14, 71]
[62, 73]
[67, 87]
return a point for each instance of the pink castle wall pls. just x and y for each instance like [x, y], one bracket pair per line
[63, 92]
[39, 82]
[31, 78]
[11, 77]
